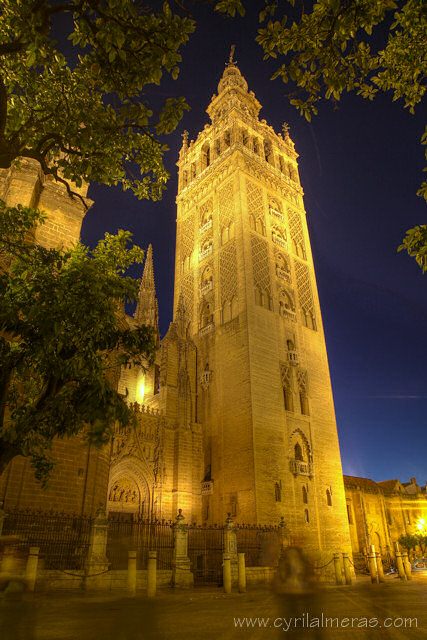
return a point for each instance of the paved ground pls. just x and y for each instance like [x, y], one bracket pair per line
[209, 614]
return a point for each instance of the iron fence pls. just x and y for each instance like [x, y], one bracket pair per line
[63, 539]
[141, 536]
[260, 544]
[205, 549]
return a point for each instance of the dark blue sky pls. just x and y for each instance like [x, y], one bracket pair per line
[360, 167]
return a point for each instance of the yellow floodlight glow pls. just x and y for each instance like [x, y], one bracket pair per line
[140, 390]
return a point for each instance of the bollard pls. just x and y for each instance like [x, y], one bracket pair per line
[372, 564]
[407, 565]
[226, 572]
[31, 568]
[337, 565]
[242, 572]
[151, 574]
[399, 562]
[132, 573]
[380, 567]
[347, 569]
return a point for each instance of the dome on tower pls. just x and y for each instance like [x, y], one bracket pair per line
[232, 78]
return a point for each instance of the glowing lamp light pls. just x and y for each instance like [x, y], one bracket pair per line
[420, 526]
[140, 390]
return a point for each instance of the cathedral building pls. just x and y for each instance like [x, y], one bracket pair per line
[236, 416]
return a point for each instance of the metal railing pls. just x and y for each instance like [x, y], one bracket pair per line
[141, 536]
[63, 539]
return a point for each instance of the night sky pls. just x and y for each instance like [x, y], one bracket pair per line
[360, 168]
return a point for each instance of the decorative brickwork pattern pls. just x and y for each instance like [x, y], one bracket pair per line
[260, 265]
[228, 271]
[187, 291]
[286, 375]
[226, 205]
[295, 228]
[304, 288]
[302, 380]
[255, 201]
[187, 236]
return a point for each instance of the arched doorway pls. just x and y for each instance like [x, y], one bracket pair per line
[129, 495]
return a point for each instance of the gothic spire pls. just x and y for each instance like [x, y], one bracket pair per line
[147, 309]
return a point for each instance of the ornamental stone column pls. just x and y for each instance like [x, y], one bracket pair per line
[181, 574]
[97, 563]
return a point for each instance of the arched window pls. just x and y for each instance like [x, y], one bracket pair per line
[255, 145]
[207, 275]
[290, 345]
[283, 270]
[184, 178]
[306, 516]
[259, 226]
[304, 495]
[226, 312]
[298, 452]
[185, 264]
[217, 148]
[252, 222]
[206, 315]
[285, 303]
[227, 139]
[304, 403]
[288, 398]
[282, 164]
[278, 491]
[206, 155]
[193, 171]
[328, 498]
[293, 173]
[234, 307]
[245, 138]
[268, 154]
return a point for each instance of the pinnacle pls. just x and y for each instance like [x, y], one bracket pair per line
[147, 281]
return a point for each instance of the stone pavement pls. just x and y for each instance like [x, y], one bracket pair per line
[208, 614]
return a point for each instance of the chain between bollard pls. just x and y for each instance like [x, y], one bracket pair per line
[323, 567]
[84, 575]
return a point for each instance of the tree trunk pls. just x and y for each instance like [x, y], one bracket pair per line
[7, 453]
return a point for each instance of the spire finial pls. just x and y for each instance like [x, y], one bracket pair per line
[230, 59]
[285, 129]
[146, 309]
[185, 139]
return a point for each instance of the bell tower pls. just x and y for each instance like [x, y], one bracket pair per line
[244, 273]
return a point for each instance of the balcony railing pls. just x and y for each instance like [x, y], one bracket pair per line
[283, 275]
[293, 357]
[205, 379]
[288, 314]
[276, 214]
[281, 243]
[204, 254]
[204, 289]
[205, 227]
[206, 329]
[301, 468]
[207, 488]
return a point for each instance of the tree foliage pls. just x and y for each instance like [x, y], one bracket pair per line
[328, 48]
[62, 338]
[84, 112]
[410, 541]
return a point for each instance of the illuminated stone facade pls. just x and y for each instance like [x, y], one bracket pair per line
[237, 415]
[380, 512]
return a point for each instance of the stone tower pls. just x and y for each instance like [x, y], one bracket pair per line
[245, 274]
